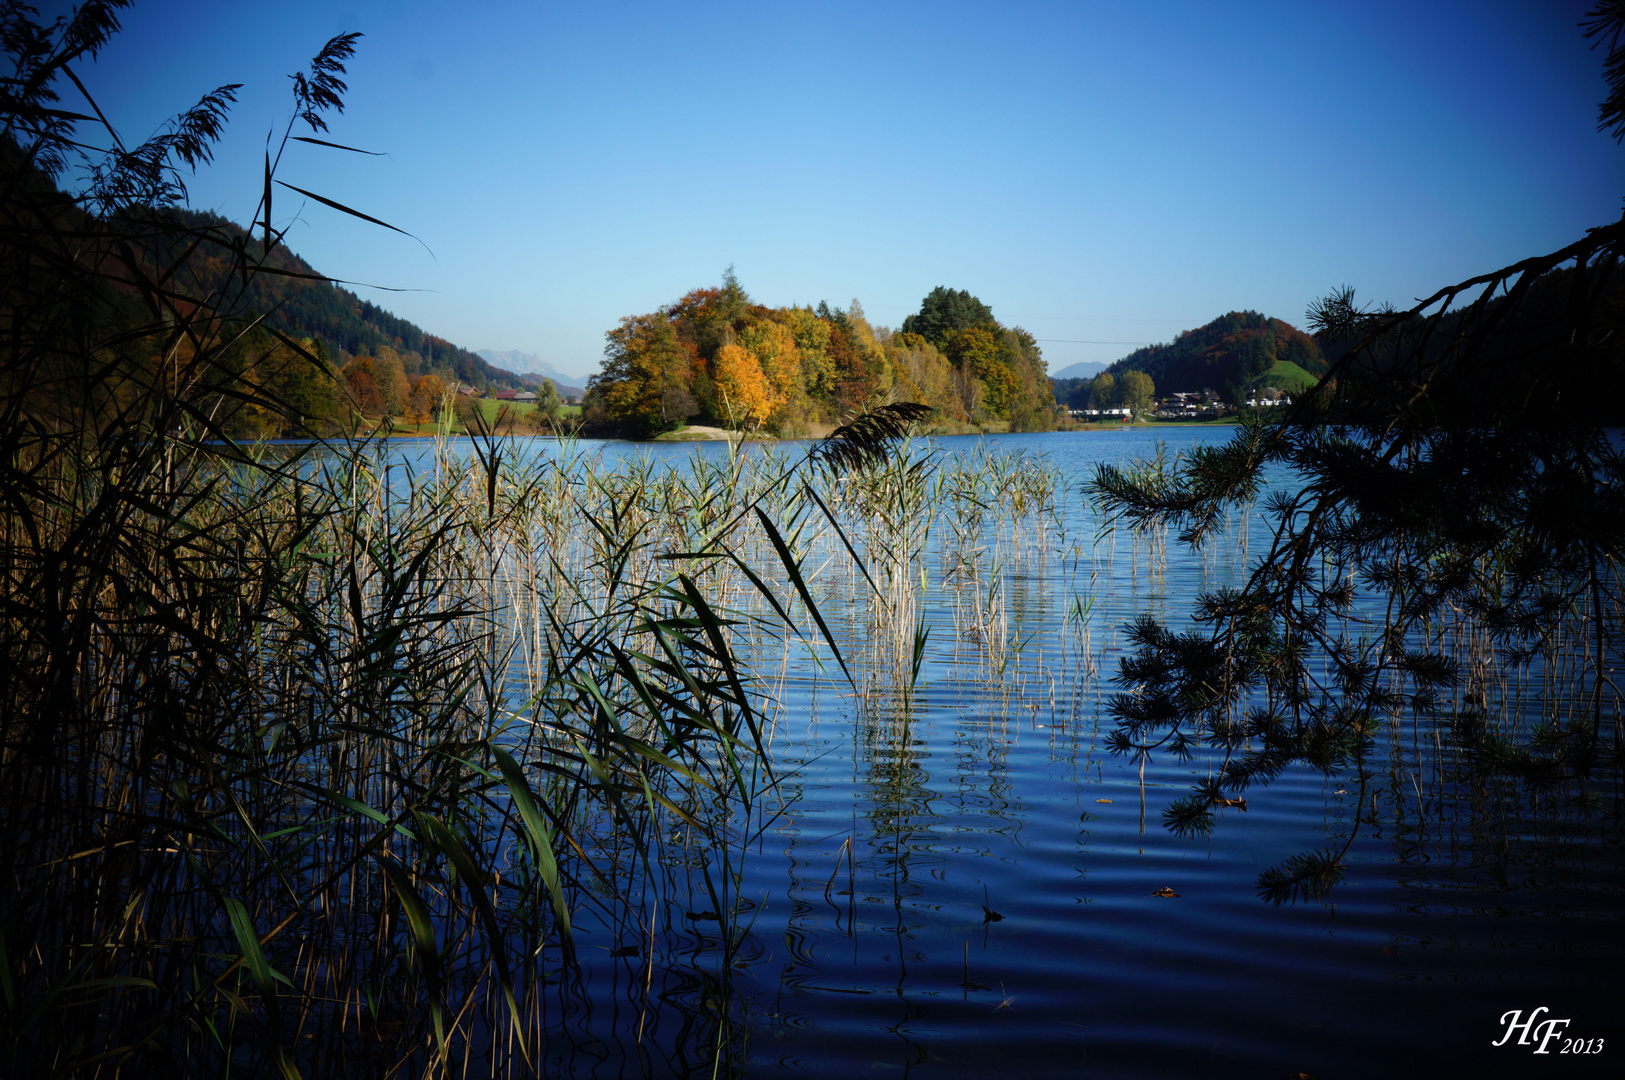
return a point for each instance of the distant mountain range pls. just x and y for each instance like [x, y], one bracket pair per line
[1086, 369]
[533, 370]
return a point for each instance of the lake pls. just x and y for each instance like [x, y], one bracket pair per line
[961, 881]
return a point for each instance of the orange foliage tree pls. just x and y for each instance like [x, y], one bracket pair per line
[424, 401]
[774, 347]
[747, 397]
[361, 385]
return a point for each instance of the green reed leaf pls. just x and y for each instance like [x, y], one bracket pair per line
[792, 568]
[421, 927]
[540, 836]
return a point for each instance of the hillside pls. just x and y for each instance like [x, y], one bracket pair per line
[1285, 375]
[565, 389]
[348, 325]
[1241, 348]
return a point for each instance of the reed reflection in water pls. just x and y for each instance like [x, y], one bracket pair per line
[956, 878]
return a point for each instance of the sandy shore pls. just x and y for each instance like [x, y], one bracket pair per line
[699, 433]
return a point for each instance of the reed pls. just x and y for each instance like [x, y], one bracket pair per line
[325, 809]
[312, 761]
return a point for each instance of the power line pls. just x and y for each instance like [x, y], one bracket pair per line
[1092, 318]
[1075, 341]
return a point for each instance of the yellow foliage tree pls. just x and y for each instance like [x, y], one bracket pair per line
[775, 350]
[923, 374]
[746, 394]
[811, 336]
[880, 370]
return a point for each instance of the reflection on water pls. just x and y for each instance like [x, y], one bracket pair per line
[956, 879]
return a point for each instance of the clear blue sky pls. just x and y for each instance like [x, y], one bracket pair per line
[1111, 172]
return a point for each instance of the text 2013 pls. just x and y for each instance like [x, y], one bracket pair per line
[1539, 1033]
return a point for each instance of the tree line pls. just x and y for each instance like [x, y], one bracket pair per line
[299, 300]
[1132, 390]
[1237, 350]
[718, 357]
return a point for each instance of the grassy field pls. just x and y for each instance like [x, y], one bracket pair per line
[1285, 375]
[490, 407]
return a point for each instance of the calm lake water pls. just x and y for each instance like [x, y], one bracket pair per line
[865, 945]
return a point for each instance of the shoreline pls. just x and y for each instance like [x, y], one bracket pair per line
[707, 433]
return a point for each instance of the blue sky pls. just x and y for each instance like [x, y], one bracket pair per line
[1105, 173]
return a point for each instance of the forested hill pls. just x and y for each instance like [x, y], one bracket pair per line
[716, 354]
[1239, 348]
[348, 325]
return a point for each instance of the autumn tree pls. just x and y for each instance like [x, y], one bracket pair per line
[998, 372]
[469, 411]
[986, 381]
[1032, 400]
[646, 382]
[812, 337]
[361, 386]
[747, 397]
[296, 383]
[923, 374]
[393, 386]
[306, 383]
[548, 405]
[423, 403]
[864, 376]
[774, 347]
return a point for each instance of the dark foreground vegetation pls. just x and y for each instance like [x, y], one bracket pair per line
[306, 761]
[1457, 511]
